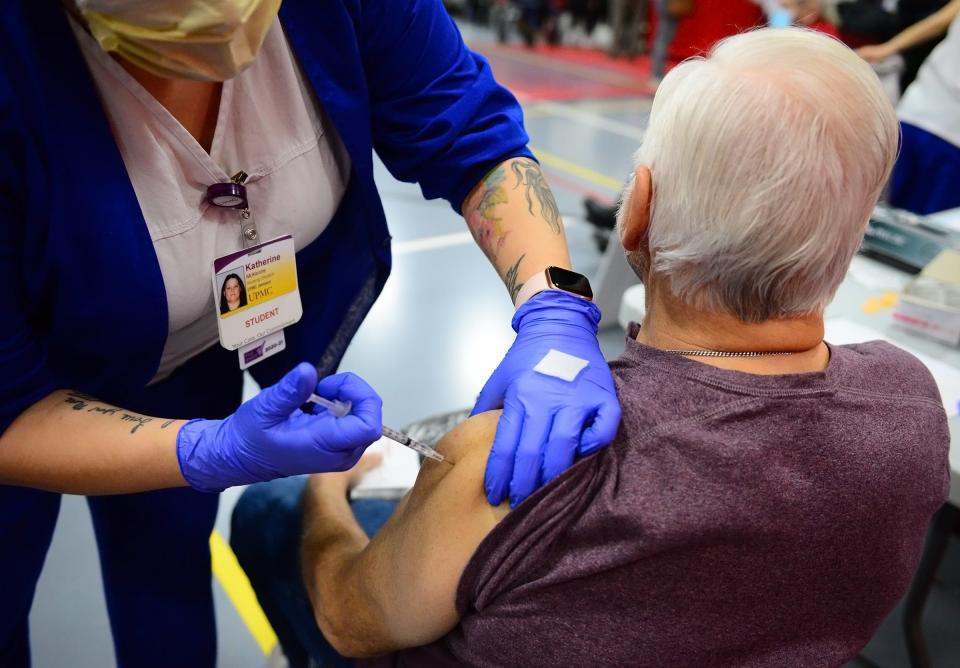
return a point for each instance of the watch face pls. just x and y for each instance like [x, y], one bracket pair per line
[570, 281]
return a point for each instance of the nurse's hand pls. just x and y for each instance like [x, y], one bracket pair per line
[271, 437]
[547, 421]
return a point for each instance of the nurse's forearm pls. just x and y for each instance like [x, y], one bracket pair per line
[515, 220]
[72, 443]
[929, 28]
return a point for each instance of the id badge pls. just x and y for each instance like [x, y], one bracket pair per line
[256, 295]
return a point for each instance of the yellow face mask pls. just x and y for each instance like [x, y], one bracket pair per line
[203, 40]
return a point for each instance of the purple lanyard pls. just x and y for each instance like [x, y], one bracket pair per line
[233, 195]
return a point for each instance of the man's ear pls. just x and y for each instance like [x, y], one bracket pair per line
[636, 221]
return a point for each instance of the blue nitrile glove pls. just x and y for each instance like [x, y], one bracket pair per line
[547, 421]
[271, 437]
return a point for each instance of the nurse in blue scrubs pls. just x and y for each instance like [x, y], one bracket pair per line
[927, 172]
[117, 118]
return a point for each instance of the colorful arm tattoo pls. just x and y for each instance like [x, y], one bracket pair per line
[486, 226]
[484, 215]
[528, 174]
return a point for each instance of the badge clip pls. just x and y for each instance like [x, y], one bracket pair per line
[233, 195]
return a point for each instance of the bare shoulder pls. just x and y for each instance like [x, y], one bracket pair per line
[470, 438]
[466, 448]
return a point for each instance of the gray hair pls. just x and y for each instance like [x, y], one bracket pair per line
[767, 159]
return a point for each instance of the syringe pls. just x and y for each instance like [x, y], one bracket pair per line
[416, 446]
[342, 408]
[338, 408]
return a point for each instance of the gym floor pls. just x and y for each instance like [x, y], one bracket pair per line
[436, 333]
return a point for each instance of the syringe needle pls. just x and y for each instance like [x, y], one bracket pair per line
[416, 446]
[342, 408]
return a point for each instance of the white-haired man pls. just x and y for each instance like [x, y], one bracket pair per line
[766, 499]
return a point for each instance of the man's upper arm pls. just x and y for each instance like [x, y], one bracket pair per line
[411, 569]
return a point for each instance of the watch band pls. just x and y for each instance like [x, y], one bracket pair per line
[536, 283]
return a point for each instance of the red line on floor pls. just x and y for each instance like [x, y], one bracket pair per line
[565, 73]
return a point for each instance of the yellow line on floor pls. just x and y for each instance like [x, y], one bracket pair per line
[234, 581]
[581, 172]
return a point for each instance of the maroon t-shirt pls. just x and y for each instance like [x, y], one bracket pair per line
[737, 520]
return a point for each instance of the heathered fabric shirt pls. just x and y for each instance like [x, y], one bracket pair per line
[737, 520]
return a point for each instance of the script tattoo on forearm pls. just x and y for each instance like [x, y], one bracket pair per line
[484, 224]
[79, 401]
[76, 404]
[138, 421]
[104, 410]
[511, 279]
[529, 175]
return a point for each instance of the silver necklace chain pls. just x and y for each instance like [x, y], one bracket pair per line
[721, 353]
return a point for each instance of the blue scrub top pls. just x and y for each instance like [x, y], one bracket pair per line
[84, 304]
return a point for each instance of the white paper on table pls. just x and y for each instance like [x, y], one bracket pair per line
[394, 477]
[841, 331]
[949, 219]
[876, 276]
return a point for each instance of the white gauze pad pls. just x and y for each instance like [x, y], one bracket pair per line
[560, 365]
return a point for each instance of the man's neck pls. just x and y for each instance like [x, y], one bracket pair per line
[672, 325]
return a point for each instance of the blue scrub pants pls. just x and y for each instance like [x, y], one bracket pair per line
[154, 547]
[265, 535]
[926, 178]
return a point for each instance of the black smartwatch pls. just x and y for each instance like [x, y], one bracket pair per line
[555, 278]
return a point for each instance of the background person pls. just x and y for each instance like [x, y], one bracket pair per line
[113, 126]
[928, 169]
[598, 213]
[665, 31]
[628, 20]
[753, 460]
[809, 14]
[908, 13]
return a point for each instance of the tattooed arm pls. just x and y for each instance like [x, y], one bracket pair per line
[514, 218]
[73, 443]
